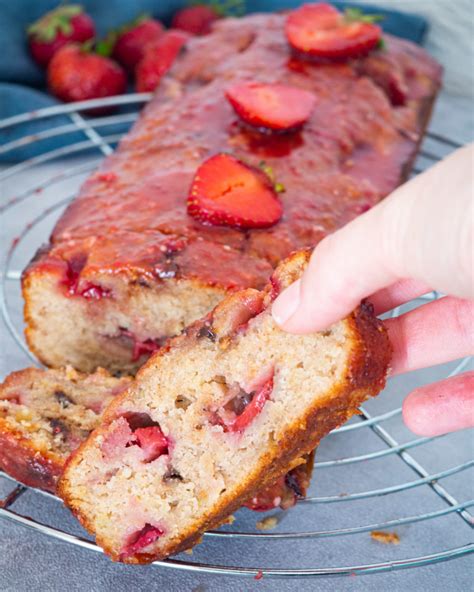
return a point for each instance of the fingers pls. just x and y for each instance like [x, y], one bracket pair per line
[423, 230]
[344, 268]
[442, 407]
[432, 334]
[397, 294]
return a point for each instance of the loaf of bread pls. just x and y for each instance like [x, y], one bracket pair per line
[127, 266]
[220, 412]
[46, 414]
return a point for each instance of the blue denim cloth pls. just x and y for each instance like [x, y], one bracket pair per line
[22, 83]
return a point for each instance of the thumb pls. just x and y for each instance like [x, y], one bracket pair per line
[422, 231]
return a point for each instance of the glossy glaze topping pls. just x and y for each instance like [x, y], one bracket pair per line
[352, 151]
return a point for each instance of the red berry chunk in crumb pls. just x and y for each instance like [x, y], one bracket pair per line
[243, 407]
[225, 191]
[253, 408]
[135, 429]
[152, 441]
[321, 31]
[276, 107]
[141, 348]
[142, 539]
[196, 20]
[158, 59]
[132, 41]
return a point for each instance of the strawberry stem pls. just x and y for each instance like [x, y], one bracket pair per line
[59, 20]
[104, 47]
[352, 15]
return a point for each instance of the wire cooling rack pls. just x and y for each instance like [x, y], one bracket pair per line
[52, 150]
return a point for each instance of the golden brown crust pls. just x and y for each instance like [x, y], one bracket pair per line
[23, 461]
[365, 377]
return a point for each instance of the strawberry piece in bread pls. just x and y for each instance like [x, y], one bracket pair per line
[225, 191]
[276, 107]
[321, 31]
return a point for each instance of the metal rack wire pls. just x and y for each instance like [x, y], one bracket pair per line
[64, 123]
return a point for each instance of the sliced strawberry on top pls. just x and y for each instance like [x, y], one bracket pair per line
[225, 191]
[272, 106]
[321, 31]
[152, 441]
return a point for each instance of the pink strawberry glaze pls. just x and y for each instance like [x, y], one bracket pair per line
[86, 289]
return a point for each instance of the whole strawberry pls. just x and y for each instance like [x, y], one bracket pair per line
[77, 74]
[158, 59]
[196, 20]
[55, 29]
[131, 41]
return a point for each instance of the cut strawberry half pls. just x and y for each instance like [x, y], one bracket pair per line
[322, 31]
[225, 191]
[276, 107]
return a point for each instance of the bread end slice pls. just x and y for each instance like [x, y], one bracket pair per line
[226, 409]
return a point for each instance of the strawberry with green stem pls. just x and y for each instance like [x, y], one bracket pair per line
[56, 28]
[129, 43]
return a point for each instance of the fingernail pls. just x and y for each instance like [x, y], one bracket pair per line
[286, 304]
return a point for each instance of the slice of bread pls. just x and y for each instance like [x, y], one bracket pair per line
[46, 414]
[221, 412]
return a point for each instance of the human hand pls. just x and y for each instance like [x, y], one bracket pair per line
[418, 239]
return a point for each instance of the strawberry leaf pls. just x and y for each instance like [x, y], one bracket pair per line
[104, 47]
[59, 20]
[352, 15]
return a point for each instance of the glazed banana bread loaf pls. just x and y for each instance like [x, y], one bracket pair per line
[166, 227]
[216, 415]
[46, 414]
